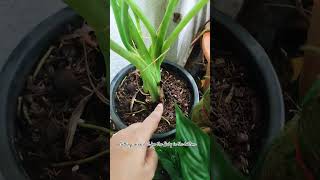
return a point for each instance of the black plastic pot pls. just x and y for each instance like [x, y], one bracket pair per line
[167, 65]
[232, 37]
[12, 79]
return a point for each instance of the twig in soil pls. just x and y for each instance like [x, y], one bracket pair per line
[52, 173]
[82, 161]
[117, 96]
[73, 122]
[123, 81]
[26, 114]
[143, 93]
[99, 94]
[140, 102]
[230, 95]
[87, 89]
[95, 127]
[136, 112]
[162, 117]
[42, 61]
[133, 100]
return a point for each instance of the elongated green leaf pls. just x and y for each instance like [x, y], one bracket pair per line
[162, 32]
[131, 57]
[143, 18]
[169, 161]
[121, 26]
[138, 22]
[174, 35]
[202, 161]
[95, 12]
[140, 45]
[161, 173]
[194, 160]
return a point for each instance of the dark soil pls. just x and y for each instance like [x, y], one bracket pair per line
[235, 111]
[47, 102]
[175, 91]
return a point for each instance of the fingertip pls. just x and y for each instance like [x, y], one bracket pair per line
[159, 108]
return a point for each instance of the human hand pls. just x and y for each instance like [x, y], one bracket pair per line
[137, 162]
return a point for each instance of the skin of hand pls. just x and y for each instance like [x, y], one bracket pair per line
[135, 162]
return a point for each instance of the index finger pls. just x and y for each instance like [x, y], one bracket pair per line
[150, 124]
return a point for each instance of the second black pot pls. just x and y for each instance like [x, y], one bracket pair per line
[231, 37]
[169, 66]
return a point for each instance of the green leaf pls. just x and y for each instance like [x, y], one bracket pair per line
[95, 12]
[164, 27]
[201, 112]
[119, 14]
[174, 35]
[133, 58]
[169, 161]
[160, 173]
[137, 38]
[194, 160]
[138, 12]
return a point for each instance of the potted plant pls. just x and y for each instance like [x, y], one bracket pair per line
[246, 94]
[149, 80]
[55, 77]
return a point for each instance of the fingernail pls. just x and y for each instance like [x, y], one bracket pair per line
[160, 105]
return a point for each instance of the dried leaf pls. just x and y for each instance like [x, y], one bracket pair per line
[73, 122]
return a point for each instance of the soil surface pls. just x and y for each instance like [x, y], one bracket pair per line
[130, 94]
[52, 95]
[235, 112]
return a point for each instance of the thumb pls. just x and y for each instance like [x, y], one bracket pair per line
[151, 159]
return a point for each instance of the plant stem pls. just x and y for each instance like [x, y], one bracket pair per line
[131, 57]
[143, 18]
[82, 161]
[94, 127]
[42, 61]
[121, 27]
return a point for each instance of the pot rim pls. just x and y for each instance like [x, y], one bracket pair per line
[120, 76]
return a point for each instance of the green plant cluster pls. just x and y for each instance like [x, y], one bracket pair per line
[146, 59]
